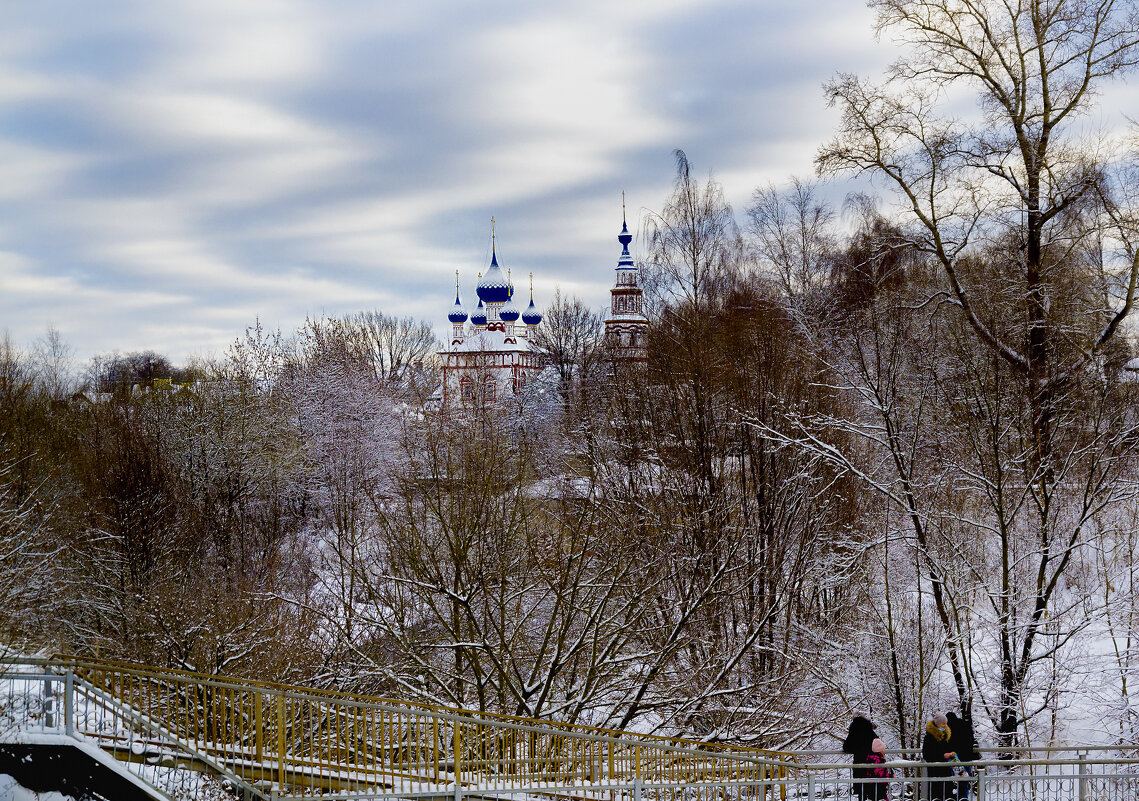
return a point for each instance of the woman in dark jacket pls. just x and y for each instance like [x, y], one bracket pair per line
[858, 742]
[935, 749]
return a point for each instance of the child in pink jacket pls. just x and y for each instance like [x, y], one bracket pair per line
[877, 788]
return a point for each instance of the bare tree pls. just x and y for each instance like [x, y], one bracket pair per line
[347, 426]
[1018, 169]
[793, 233]
[53, 358]
[569, 338]
[750, 562]
[882, 434]
[29, 573]
[694, 243]
[400, 349]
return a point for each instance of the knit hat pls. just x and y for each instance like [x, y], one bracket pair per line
[878, 747]
[939, 719]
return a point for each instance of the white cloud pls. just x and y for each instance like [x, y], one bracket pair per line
[26, 282]
[251, 43]
[28, 172]
[209, 119]
[170, 171]
[20, 86]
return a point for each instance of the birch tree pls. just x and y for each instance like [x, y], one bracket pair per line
[1018, 169]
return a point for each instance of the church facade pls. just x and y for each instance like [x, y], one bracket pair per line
[492, 354]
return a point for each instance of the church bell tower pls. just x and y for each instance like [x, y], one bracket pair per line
[626, 325]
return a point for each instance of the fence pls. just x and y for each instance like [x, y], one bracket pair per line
[44, 708]
[1094, 780]
[313, 742]
[1086, 773]
[263, 740]
[1118, 785]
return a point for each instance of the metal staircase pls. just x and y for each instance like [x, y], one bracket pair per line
[53, 716]
[264, 740]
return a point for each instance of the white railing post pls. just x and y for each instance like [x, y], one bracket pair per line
[1083, 775]
[811, 786]
[980, 784]
[69, 702]
[638, 789]
[49, 701]
[458, 789]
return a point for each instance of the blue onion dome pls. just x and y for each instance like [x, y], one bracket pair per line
[509, 312]
[458, 314]
[531, 316]
[479, 315]
[624, 237]
[493, 287]
[626, 260]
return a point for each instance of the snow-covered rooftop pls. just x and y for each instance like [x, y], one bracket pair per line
[490, 342]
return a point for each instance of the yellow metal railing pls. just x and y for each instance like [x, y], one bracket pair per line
[309, 741]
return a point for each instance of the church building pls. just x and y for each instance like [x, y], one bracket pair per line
[626, 325]
[492, 355]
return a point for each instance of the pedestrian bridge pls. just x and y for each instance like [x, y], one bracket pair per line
[272, 740]
[181, 735]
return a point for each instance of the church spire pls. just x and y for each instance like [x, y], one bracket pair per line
[531, 317]
[457, 315]
[626, 325]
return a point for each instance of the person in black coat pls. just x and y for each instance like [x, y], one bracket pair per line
[936, 751]
[963, 742]
[858, 743]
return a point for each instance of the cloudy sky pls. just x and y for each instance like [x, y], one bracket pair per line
[171, 171]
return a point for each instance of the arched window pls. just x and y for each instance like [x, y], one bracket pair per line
[466, 388]
[490, 389]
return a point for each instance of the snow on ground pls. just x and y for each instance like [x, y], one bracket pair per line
[10, 790]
